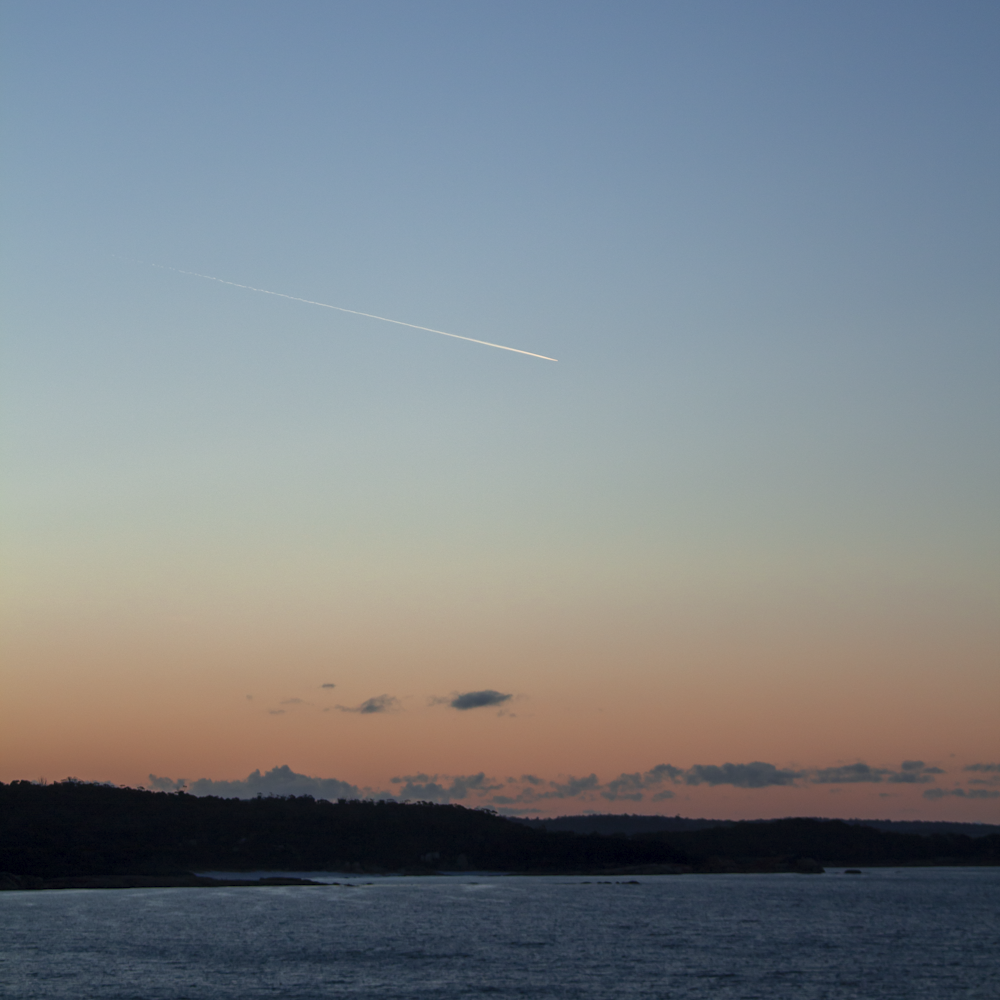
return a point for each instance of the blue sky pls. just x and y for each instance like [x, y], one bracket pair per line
[761, 239]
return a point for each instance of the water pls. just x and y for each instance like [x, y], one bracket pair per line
[930, 933]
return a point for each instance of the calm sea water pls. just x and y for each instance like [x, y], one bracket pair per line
[931, 933]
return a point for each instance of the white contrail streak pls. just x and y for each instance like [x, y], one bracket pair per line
[353, 312]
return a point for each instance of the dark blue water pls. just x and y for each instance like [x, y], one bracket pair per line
[932, 933]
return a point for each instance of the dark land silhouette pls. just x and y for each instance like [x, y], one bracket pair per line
[630, 824]
[76, 834]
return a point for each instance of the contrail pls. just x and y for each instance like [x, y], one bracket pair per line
[353, 312]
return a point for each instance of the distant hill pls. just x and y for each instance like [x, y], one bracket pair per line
[71, 829]
[74, 828]
[626, 825]
[609, 825]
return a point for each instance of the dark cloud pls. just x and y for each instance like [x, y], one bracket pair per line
[754, 775]
[962, 793]
[278, 781]
[478, 699]
[166, 784]
[981, 767]
[625, 786]
[663, 771]
[427, 788]
[572, 787]
[914, 772]
[848, 773]
[381, 703]
[911, 772]
[632, 786]
[328, 685]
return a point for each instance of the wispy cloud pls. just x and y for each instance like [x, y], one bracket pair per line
[328, 685]
[962, 793]
[380, 703]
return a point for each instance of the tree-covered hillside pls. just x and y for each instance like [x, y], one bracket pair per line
[77, 829]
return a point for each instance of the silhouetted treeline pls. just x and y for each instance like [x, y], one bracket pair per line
[620, 824]
[829, 841]
[630, 824]
[77, 829]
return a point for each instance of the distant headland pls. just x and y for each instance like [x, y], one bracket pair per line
[74, 834]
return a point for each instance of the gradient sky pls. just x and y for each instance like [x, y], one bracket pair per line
[749, 517]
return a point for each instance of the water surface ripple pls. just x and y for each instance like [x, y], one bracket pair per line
[911, 934]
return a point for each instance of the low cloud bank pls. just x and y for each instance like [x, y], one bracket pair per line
[427, 788]
[755, 775]
[911, 772]
[278, 781]
[962, 793]
[530, 793]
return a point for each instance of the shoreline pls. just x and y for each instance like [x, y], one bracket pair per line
[189, 880]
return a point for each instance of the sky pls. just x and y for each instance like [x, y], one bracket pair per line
[736, 553]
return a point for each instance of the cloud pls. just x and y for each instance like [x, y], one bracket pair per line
[911, 772]
[914, 772]
[632, 786]
[278, 781]
[424, 788]
[275, 711]
[571, 788]
[625, 786]
[478, 699]
[530, 793]
[293, 701]
[661, 772]
[981, 767]
[962, 793]
[328, 685]
[381, 703]
[754, 775]
[848, 774]
[166, 784]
